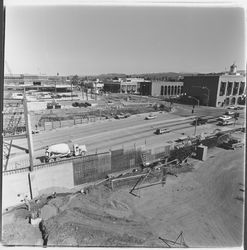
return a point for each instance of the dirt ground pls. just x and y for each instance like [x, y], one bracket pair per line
[205, 203]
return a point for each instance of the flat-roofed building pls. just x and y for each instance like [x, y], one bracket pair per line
[161, 88]
[167, 88]
[219, 90]
[132, 85]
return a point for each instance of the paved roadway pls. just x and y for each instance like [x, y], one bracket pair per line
[108, 134]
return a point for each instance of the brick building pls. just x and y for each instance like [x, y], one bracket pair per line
[217, 90]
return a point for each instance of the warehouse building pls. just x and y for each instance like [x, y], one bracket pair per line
[217, 90]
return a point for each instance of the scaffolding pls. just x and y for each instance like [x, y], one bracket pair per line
[15, 116]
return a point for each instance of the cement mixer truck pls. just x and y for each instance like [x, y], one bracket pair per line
[54, 152]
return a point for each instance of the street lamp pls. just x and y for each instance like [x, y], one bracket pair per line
[203, 87]
[192, 97]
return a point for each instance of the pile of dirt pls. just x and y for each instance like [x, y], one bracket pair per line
[17, 231]
[97, 219]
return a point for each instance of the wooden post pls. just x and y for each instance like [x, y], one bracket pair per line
[30, 186]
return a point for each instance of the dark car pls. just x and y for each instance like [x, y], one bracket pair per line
[127, 115]
[49, 106]
[88, 104]
[200, 121]
[75, 104]
[82, 105]
[57, 106]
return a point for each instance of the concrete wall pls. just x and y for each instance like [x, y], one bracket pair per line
[57, 178]
[61, 177]
[45, 179]
[15, 186]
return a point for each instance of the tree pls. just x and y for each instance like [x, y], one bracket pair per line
[75, 80]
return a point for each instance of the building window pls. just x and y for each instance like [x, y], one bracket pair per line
[222, 88]
[235, 88]
[169, 90]
[233, 101]
[227, 101]
[241, 100]
[162, 90]
[165, 90]
[241, 89]
[229, 88]
[176, 91]
[172, 93]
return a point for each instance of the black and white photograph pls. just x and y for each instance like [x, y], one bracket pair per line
[123, 124]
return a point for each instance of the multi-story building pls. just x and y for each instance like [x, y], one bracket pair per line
[217, 90]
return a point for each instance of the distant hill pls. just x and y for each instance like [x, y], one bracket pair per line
[161, 76]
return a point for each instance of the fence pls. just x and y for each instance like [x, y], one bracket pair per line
[68, 123]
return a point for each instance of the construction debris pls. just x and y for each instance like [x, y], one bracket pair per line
[179, 242]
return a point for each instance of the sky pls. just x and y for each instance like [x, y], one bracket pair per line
[90, 40]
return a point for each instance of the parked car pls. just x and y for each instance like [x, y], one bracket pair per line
[231, 107]
[88, 104]
[82, 105]
[36, 131]
[75, 104]
[57, 106]
[49, 106]
[120, 116]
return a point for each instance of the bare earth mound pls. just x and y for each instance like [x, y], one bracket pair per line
[206, 204]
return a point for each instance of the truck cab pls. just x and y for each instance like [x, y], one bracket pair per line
[79, 149]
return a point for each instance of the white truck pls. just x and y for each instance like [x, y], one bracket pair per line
[54, 152]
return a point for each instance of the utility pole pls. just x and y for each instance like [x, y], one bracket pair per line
[28, 131]
[195, 126]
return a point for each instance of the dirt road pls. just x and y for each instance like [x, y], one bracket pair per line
[206, 204]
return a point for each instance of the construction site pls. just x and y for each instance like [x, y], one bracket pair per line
[131, 186]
